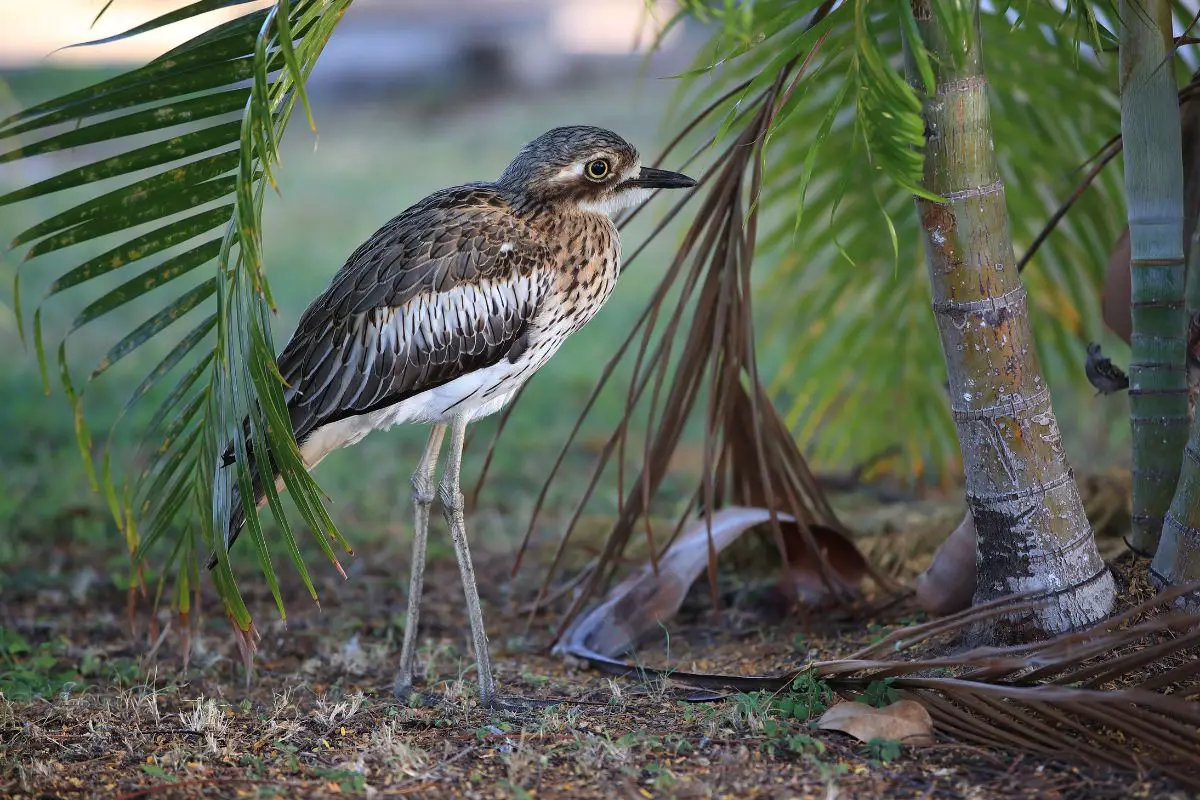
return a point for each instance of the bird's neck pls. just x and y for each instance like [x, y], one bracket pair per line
[551, 219]
[535, 209]
[576, 225]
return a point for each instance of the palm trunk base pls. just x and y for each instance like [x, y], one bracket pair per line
[1177, 561]
[1018, 552]
[1071, 609]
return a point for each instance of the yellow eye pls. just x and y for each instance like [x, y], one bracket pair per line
[597, 170]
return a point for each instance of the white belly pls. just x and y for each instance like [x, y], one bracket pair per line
[473, 396]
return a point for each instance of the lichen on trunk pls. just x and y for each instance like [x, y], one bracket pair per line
[1032, 531]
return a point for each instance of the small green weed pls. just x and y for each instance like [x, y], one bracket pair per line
[661, 778]
[807, 697]
[883, 750]
[780, 737]
[27, 672]
[880, 693]
[155, 771]
[347, 780]
[780, 717]
[253, 763]
[534, 680]
[516, 790]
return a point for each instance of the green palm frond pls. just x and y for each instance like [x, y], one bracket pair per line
[844, 286]
[185, 215]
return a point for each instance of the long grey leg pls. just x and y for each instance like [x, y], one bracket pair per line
[422, 484]
[452, 506]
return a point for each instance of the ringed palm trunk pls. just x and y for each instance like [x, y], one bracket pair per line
[1032, 531]
[1178, 558]
[1158, 395]
[1159, 232]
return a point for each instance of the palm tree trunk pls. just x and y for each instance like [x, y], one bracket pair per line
[1178, 558]
[1032, 531]
[1164, 295]
[1158, 396]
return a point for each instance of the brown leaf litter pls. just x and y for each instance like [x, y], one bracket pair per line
[318, 719]
[904, 721]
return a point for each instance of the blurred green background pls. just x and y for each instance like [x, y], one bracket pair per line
[375, 154]
[370, 159]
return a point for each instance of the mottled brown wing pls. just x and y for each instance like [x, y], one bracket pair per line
[444, 289]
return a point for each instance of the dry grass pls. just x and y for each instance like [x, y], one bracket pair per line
[318, 719]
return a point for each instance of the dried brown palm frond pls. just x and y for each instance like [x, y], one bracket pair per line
[750, 457]
[1125, 692]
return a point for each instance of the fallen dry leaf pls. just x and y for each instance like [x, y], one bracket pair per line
[904, 721]
[802, 579]
[948, 585]
[642, 602]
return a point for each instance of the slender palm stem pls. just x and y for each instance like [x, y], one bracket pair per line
[1158, 399]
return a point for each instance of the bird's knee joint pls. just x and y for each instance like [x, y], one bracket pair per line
[452, 498]
[422, 490]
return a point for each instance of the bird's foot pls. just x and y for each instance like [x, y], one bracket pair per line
[504, 704]
[516, 705]
[406, 694]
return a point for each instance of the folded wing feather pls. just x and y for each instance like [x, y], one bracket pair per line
[447, 288]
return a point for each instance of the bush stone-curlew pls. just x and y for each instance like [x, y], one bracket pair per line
[444, 313]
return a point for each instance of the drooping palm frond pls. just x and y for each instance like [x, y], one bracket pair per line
[749, 456]
[1125, 692]
[188, 210]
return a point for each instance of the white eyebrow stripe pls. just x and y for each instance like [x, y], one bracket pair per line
[573, 171]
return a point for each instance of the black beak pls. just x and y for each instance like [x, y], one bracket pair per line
[651, 178]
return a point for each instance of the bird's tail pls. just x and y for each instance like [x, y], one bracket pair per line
[228, 512]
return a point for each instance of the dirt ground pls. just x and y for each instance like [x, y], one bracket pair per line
[318, 719]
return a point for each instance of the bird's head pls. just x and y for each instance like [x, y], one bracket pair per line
[587, 169]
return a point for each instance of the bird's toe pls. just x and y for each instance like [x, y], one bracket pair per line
[414, 699]
[403, 691]
[513, 704]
